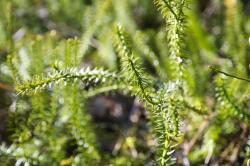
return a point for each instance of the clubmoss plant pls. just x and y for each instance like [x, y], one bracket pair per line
[124, 82]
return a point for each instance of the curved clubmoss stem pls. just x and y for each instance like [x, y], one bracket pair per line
[227, 74]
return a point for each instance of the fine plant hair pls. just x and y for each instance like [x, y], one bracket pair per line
[191, 84]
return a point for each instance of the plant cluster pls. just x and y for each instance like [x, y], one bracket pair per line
[58, 61]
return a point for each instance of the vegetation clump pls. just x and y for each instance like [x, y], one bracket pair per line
[128, 82]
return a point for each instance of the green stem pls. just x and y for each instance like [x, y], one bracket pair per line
[171, 10]
[149, 99]
[229, 75]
